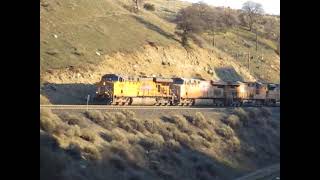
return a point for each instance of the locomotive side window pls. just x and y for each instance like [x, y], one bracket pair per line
[158, 87]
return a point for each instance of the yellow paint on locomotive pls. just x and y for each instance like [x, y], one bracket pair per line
[145, 88]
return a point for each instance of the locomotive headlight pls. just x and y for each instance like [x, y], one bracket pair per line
[242, 89]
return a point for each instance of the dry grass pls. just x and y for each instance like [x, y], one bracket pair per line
[162, 148]
[44, 100]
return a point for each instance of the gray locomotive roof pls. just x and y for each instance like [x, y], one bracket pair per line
[163, 80]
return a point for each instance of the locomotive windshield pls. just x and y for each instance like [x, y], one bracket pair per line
[112, 77]
[272, 86]
[178, 81]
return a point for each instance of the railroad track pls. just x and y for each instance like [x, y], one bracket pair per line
[268, 173]
[97, 107]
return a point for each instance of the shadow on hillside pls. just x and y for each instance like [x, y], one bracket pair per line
[166, 163]
[155, 28]
[228, 74]
[73, 93]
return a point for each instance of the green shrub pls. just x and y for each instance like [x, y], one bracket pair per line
[137, 125]
[48, 120]
[232, 121]
[243, 116]
[200, 121]
[128, 114]
[181, 123]
[88, 135]
[166, 131]
[225, 131]
[117, 135]
[94, 115]
[265, 112]
[92, 152]
[173, 144]
[181, 137]
[73, 131]
[120, 116]
[151, 126]
[73, 119]
[207, 134]
[99, 118]
[149, 7]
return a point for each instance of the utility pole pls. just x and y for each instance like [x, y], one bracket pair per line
[249, 61]
[88, 98]
[256, 39]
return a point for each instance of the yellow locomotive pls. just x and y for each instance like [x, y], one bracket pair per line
[122, 90]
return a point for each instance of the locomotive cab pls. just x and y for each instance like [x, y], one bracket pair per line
[105, 88]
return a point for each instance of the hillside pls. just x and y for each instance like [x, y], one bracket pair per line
[221, 144]
[82, 40]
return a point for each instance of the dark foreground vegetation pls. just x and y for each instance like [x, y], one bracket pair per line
[103, 145]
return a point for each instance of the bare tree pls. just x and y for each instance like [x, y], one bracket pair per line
[278, 45]
[272, 28]
[188, 21]
[215, 22]
[252, 10]
[231, 18]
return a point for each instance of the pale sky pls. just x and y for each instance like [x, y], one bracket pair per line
[269, 6]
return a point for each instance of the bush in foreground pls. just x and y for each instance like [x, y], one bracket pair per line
[149, 7]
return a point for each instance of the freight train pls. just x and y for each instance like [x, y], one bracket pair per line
[116, 89]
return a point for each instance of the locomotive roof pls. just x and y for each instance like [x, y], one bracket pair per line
[218, 82]
[163, 79]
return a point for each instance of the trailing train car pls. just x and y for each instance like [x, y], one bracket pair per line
[240, 93]
[273, 94]
[197, 92]
[255, 93]
[121, 90]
